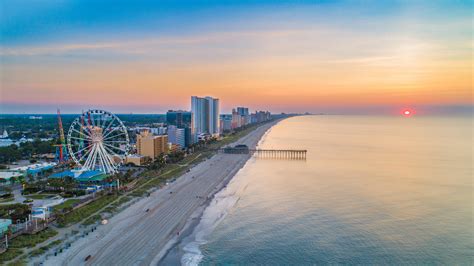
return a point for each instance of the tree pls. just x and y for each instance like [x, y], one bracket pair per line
[159, 162]
[9, 154]
[56, 183]
[13, 179]
[176, 156]
[69, 183]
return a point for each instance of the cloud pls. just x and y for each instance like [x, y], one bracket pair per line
[130, 46]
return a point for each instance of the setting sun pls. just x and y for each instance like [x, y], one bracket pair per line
[407, 112]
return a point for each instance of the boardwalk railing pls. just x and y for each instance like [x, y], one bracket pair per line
[268, 153]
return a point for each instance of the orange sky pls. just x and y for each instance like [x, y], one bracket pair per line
[302, 66]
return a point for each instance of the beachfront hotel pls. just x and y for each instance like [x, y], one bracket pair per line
[206, 116]
[182, 120]
[150, 145]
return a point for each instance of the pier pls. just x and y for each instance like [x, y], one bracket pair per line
[268, 153]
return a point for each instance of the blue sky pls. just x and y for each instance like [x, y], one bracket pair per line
[55, 52]
[25, 22]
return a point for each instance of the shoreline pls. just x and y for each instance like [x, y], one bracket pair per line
[174, 253]
[138, 236]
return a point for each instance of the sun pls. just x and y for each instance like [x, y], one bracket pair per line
[407, 112]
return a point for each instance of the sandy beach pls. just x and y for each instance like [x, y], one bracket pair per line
[139, 237]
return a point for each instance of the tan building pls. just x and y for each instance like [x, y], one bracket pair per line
[150, 145]
[135, 159]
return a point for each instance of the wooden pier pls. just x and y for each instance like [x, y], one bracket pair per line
[268, 153]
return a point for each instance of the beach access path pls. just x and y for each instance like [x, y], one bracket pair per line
[141, 234]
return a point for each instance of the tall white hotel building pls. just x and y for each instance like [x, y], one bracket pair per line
[206, 115]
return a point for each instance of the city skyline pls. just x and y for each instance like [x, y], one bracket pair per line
[332, 57]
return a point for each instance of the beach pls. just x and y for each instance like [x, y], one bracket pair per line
[143, 233]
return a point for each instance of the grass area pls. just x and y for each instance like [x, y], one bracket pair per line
[40, 196]
[120, 201]
[85, 211]
[7, 199]
[28, 241]
[92, 219]
[42, 250]
[10, 254]
[138, 192]
[110, 209]
[66, 204]
[18, 262]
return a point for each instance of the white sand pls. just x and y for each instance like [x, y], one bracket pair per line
[136, 237]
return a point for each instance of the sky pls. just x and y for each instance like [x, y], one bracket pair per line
[282, 56]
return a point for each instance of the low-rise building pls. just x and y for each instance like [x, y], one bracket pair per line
[135, 159]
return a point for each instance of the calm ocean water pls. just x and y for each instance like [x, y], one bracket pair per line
[373, 190]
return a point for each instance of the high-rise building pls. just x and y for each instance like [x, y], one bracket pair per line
[188, 136]
[243, 111]
[177, 136]
[244, 114]
[183, 120]
[226, 122]
[261, 116]
[150, 145]
[236, 119]
[206, 115]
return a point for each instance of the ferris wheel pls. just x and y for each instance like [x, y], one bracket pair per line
[98, 140]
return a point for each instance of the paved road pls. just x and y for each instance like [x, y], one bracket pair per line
[136, 236]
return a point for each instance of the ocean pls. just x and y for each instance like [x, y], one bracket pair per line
[373, 190]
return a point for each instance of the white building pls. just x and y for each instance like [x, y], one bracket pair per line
[206, 115]
[4, 135]
[177, 136]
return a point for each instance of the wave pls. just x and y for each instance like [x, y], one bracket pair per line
[217, 210]
[264, 137]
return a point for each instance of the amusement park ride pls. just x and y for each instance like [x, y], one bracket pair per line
[61, 149]
[96, 140]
